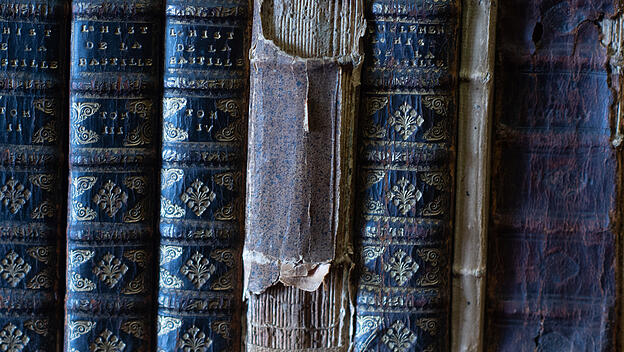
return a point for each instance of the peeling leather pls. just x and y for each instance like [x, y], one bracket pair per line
[296, 187]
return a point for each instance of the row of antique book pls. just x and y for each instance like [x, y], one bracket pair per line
[310, 175]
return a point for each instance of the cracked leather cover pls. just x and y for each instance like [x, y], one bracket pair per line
[33, 94]
[202, 182]
[305, 65]
[114, 112]
[405, 169]
[551, 255]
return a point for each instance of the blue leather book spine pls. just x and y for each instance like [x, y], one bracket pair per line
[406, 161]
[33, 94]
[115, 100]
[554, 255]
[204, 128]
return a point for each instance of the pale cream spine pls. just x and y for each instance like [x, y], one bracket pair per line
[473, 159]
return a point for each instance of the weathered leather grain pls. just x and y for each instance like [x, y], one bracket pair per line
[202, 182]
[405, 175]
[114, 112]
[304, 76]
[33, 115]
[554, 216]
[472, 190]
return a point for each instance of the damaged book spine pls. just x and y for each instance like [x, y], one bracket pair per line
[304, 78]
[472, 190]
[405, 175]
[114, 113]
[33, 116]
[204, 124]
[556, 207]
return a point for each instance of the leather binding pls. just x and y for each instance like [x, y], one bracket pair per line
[472, 188]
[555, 177]
[204, 124]
[114, 112]
[305, 68]
[33, 94]
[405, 169]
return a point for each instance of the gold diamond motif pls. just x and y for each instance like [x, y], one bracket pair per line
[110, 198]
[14, 195]
[12, 339]
[406, 120]
[13, 268]
[194, 340]
[399, 338]
[198, 197]
[107, 342]
[198, 269]
[110, 270]
[401, 267]
[404, 195]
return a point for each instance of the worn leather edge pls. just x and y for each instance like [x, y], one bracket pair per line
[307, 276]
[613, 40]
[476, 85]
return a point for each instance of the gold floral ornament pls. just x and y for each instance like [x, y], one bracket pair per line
[225, 213]
[107, 342]
[171, 176]
[438, 104]
[404, 195]
[85, 136]
[47, 106]
[168, 280]
[230, 106]
[194, 340]
[43, 279]
[222, 328]
[12, 339]
[78, 328]
[172, 105]
[14, 195]
[46, 182]
[110, 198]
[78, 283]
[41, 327]
[366, 325]
[42, 254]
[82, 212]
[167, 324]
[82, 184]
[46, 133]
[369, 128]
[169, 253]
[110, 270]
[198, 197]
[174, 134]
[370, 253]
[13, 268]
[399, 338]
[401, 267]
[136, 286]
[141, 107]
[170, 210]
[135, 328]
[136, 183]
[226, 180]
[198, 269]
[43, 210]
[406, 120]
[83, 110]
[369, 278]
